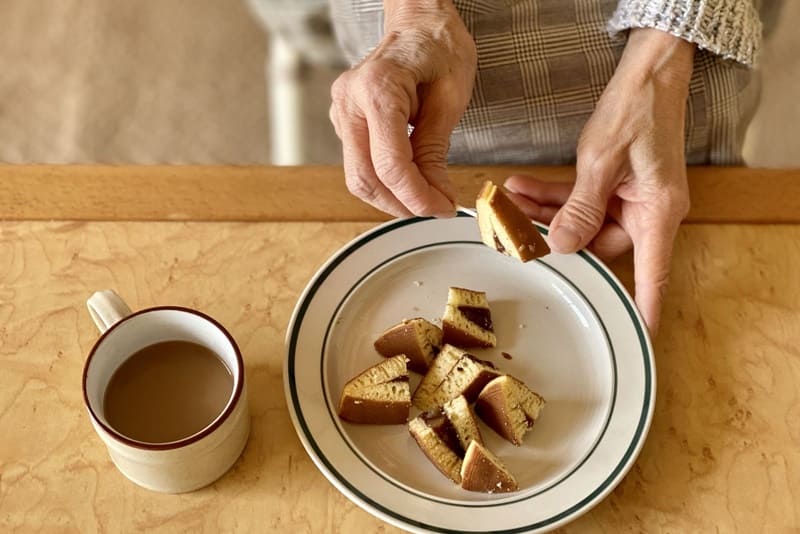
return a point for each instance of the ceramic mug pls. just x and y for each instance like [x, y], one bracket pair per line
[191, 462]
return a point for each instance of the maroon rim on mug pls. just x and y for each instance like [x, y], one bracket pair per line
[216, 423]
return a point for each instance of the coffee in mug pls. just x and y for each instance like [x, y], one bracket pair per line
[167, 391]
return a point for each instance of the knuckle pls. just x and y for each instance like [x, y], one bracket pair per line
[469, 52]
[655, 280]
[432, 153]
[372, 75]
[383, 88]
[373, 78]
[343, 98]
[585, 211]
[362, 187]
[682, 206]
[339, 89]
[397, 182]
[673, 203]
[598, 166]
[387, 105]
[661, 281]
[591, 159]
[388, 172]
[333, 117]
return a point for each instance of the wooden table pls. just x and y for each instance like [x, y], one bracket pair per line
[240, 243]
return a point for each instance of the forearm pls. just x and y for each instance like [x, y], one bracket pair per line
[656, 55]
[407, 12]
[648, 91]
[390, 6]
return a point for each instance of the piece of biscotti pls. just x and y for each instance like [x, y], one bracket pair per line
[447, 358]
[380, 395]
[509, 407]
[482, 471]
[505, 227]
[467, 320]
[417, 338]
[436, 448]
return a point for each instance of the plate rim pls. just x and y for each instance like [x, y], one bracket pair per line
[314, 450]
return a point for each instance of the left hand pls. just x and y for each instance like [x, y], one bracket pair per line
[421, 73]
[630, 188]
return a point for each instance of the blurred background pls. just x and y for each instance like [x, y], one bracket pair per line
[214, 82]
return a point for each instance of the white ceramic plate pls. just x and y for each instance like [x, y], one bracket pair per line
[573, 334]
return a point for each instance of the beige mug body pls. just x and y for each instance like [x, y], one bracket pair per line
[191, 462]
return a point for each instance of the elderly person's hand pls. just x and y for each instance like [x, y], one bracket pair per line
[630, 188]
[421, 74]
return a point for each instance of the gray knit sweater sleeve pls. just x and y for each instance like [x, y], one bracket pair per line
[728, 28]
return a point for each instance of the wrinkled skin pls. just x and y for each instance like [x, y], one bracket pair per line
[630, 189]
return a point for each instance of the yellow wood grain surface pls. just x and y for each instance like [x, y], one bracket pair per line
[719, 194]
[723, 452]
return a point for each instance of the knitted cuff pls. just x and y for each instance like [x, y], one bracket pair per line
[728, 28]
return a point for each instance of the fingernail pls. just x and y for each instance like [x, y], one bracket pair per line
[510, 186]
[445, 215]
[564, 240]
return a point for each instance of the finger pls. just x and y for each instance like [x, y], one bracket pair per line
[534, 210]
[581, 217]
[543, 193]
[430, 141]
[359, 174]
[652, 254]
[611, 242]
[392, 159]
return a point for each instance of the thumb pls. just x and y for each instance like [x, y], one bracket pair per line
[430, 142]
[583, 214]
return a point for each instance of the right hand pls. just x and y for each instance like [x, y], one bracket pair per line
[422, 74]
[631, 189]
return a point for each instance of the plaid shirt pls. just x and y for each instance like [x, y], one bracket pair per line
[543, 64]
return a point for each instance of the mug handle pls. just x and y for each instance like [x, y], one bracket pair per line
[106, 308]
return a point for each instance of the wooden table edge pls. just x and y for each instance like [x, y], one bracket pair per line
[719, 195]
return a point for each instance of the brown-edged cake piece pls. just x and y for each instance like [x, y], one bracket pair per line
[417, 338]
[467, 320]
[453, 373]
[505, 227]
[445, 436]
[463, 420]
[447, 358]
[509, 407]
[379, 396]
[482, 471]
[435, 448]
[467, 377]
